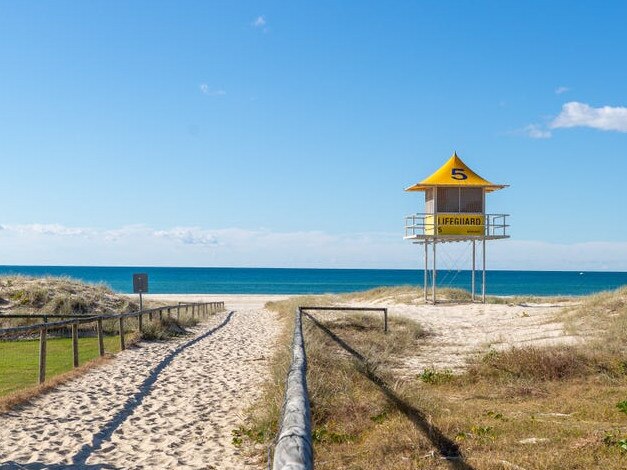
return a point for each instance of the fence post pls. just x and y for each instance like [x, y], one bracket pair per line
[101, 349]
[385, 320]
[178, 315]
[160, 314]
[122, 345]
[75, 344]
[42, 354]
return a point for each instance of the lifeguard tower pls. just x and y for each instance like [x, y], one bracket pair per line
[455, 199]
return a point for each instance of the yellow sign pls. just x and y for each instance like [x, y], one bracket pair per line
[455, 224]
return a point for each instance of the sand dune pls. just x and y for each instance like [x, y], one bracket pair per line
[461, 331]
[160, 405]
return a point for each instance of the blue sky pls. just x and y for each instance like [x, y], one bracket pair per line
[283, 133]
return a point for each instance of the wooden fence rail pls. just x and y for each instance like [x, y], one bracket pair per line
[356, 309]
[73, 322]
[293, 445]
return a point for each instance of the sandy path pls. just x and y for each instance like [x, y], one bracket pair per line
[460, 331]
[161, 405]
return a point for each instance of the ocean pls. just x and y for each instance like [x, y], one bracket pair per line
[164, 280]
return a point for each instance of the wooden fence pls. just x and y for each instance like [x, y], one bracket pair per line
[73, 321]
[293, 446]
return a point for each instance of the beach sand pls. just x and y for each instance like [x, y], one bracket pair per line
[460, 331]
[175, 404]
[167, 404]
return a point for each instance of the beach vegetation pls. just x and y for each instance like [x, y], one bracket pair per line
[554, 407]
[434, 376]
[166, 328]
[414, 295]
[59, 295]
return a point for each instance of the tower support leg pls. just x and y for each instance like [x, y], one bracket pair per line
[483, 280]
[426, 270]
[472, 273]
[433, 279]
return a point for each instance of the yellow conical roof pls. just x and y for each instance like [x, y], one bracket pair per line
[455, 173]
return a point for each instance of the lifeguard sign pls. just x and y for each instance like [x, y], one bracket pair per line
[454, 211]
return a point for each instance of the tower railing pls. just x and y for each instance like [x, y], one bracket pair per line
[424, 225]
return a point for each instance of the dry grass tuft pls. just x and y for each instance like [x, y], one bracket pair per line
[166, 328]
[545, 363]
[601, 316]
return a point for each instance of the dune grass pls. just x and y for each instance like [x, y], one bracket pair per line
[60, 295]
[525, 408]
[413, 295]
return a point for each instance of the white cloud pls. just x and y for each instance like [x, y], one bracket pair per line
[561, 89]
[189, 236]
[259, 22]
[207, 90]
[536, 132]
[140, 245]
[606, 118]
[48, 229]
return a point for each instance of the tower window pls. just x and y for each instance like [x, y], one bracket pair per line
[458, 200]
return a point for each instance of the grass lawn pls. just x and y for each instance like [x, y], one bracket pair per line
[19, 360]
